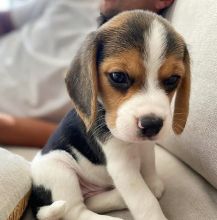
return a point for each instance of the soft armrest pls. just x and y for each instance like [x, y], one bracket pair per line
[15, 185]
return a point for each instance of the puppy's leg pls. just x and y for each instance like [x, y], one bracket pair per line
[57, 175]
[123, 164]
[148, 170]
[106, 202]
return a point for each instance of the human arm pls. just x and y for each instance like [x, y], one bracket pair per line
[24, 131]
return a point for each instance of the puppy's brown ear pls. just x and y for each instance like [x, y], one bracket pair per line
[81, 80]
[181, 109]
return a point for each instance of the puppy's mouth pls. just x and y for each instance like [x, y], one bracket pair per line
[138, 138]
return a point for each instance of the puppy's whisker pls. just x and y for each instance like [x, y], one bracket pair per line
[100, 118]
[97, 130]
[101, 110]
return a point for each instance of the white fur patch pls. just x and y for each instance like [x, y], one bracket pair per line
[96, 174]
[155, 45]
[124, 165]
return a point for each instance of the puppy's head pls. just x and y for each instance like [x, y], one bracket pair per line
[134, 64]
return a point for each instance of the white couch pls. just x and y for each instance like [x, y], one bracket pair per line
[191, 180]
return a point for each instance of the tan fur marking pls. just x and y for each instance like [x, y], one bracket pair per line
[171, 66]
[182, 98]
[129, 62]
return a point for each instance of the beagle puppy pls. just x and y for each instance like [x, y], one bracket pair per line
[101, 157]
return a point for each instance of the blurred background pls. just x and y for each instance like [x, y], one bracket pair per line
[38, 40]
[7, 4]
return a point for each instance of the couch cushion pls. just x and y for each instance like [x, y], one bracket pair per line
[15, 185]
[197, 146]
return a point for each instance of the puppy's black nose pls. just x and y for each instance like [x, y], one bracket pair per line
[150, 125]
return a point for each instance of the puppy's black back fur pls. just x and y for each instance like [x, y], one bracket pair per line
[71, 134]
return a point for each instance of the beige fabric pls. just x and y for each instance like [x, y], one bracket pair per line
[15, 183]
[187, 195]
[197, 22]
[27, 152]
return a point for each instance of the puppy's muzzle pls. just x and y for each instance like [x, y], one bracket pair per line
[150, 125]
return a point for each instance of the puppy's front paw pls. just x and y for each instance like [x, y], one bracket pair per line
[156, 185]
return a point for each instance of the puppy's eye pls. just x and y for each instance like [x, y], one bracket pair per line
[171, 83]
[120, 80]
[119, 77]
